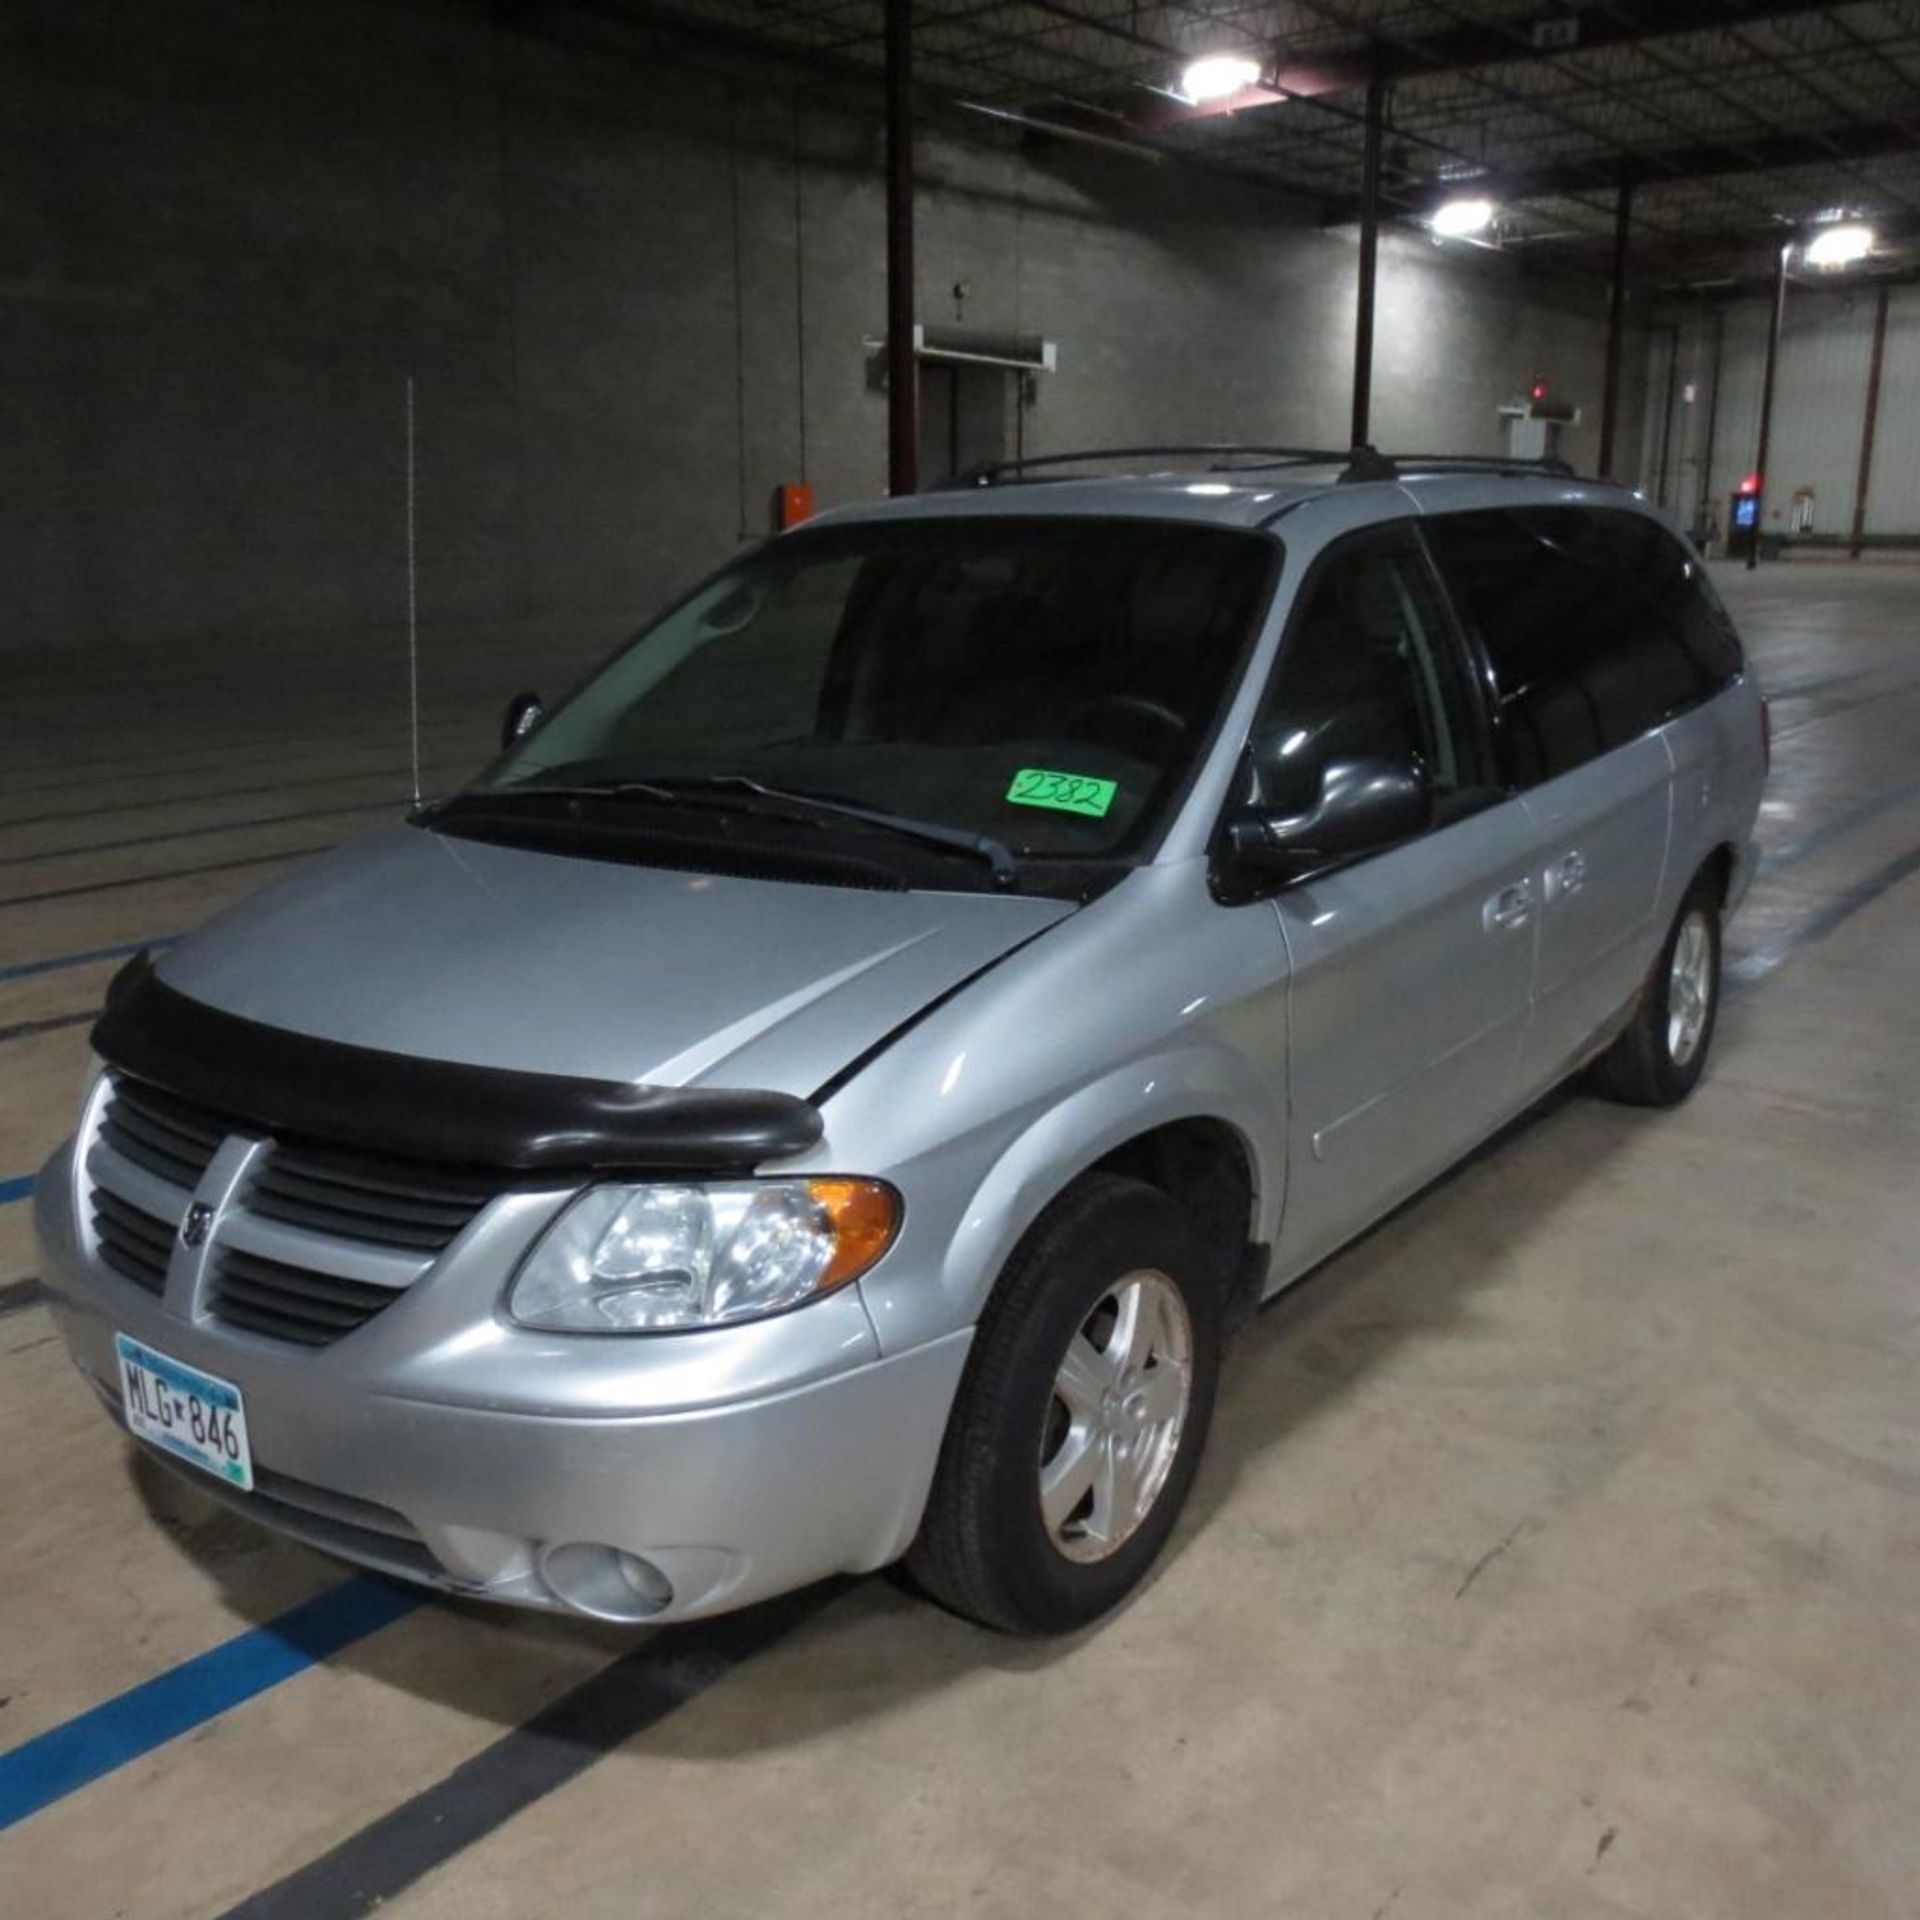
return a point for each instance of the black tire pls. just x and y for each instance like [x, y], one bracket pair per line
[985, 1548]
[1640, 1068]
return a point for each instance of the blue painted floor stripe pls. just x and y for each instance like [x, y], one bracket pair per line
[26, 969]
[65, 1758]
[16, 1189]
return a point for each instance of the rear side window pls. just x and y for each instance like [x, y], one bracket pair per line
[1599, 626]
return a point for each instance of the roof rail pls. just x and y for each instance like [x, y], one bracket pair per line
[1548, 464]
[1227, 456]
[1356, 463]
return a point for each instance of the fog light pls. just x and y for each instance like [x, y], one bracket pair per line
[605, 1582]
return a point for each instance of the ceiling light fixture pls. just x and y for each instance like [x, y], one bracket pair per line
[1838, 246]
[1218, 77]
[1459, 218]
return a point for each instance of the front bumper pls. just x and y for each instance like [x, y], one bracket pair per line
[443, 1445]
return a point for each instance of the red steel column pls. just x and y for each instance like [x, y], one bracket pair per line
[1766, 404]
[903, 370]
[1616, 326]
[1875, 361]
[1369, 258]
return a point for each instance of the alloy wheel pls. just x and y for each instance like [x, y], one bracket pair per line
[1116, 1416]
[1689, 988]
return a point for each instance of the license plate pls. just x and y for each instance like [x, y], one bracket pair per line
[192, 1415]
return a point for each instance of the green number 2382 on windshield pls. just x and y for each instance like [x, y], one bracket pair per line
[1064, 792]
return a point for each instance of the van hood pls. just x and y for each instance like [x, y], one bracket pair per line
[416, 943]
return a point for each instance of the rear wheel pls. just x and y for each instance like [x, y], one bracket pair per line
[1080, 1422]
[1660, 1057]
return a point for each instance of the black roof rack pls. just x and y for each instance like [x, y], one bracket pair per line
[1548, 464]
[1226, 456]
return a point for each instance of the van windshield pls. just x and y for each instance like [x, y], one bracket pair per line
[1046, 684]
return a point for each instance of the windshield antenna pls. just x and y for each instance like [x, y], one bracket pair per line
[413, 608]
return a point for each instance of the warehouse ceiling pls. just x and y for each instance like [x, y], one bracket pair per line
[1737, 121]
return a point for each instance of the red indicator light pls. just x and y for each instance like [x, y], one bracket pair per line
[1539, 390]
[1751, 484]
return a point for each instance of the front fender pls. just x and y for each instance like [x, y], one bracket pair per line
[964, 1228]
[1081, 1130]
[1153, 1004]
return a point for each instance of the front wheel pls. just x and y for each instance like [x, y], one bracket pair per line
[1080, 1422]
[1658, 1060]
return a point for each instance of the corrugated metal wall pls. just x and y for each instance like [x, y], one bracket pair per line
[1818, 411]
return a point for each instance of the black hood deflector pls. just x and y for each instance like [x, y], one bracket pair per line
[421, 1109]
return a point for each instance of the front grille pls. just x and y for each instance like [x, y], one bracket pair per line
[388, 1203]
[306, 1216]
[343, 1509]
[136, 1244]
[290, 1303]
[169, 1137]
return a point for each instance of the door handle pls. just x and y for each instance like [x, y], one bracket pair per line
[1510, 907]
[1568, 874]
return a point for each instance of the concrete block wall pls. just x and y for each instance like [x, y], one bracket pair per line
[631, 278]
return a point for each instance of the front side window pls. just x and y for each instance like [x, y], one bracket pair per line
[1598, 624]
[1369, 669]
[1049, 683]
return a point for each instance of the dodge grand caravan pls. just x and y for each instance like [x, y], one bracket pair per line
[825, 1093]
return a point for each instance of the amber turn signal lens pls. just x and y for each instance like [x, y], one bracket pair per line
[865, 1217]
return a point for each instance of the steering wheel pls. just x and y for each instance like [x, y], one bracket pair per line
[1132, 724]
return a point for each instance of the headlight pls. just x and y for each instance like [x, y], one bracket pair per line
[657, 1258]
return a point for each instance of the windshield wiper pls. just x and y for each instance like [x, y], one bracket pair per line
[713, 788]
[997, 854]
[556, 790]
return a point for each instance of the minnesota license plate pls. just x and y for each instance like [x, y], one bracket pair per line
[192, 1415]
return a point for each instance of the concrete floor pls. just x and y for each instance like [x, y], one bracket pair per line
[1558, 1552]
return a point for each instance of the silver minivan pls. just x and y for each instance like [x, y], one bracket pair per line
[828, 1092]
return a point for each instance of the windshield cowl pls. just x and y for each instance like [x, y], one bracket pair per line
[742, 791]
[752, 844]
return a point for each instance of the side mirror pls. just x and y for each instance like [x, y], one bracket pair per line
[1364, 807]
[524, 712]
